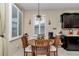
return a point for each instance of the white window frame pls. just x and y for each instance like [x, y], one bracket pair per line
[10, 22]
[35, 35]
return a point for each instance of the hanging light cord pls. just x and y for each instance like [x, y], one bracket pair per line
[38, 8]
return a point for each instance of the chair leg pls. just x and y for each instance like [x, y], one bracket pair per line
[54, 54]
[24, 53]
[48, 54]
[33, 53]
[57, 52]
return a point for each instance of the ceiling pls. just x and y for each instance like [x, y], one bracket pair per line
[48, 6]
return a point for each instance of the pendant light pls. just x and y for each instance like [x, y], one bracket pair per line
[38, 15]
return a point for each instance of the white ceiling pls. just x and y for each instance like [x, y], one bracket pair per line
[48, 6]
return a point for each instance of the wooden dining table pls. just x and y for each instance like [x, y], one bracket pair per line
[32, 42]
[51, 42]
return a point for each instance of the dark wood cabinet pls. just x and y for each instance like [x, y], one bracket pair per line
[71, 43]
[70, 20]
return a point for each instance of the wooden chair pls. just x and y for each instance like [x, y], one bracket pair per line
[52, 47]
[27, 48]
[57, 42]
[42, 47]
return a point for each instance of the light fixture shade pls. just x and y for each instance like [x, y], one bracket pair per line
[38, 16]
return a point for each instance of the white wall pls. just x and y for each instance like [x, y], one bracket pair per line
[10, 47]
[52, 15]
[15, 45]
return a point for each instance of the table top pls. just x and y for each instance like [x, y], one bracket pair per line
[32, 42]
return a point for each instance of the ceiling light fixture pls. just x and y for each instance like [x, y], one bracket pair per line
[38, 15]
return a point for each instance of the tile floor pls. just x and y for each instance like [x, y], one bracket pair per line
[61, 52]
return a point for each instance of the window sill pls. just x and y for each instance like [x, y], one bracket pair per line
[15, 38]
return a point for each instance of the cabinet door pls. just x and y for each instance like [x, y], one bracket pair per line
[68, 21]
[76, 21]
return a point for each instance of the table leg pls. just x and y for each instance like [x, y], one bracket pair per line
[33, 51]
[56, 51]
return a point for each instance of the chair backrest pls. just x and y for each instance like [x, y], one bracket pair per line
[41, 42]
[42, 47]
[24, 41]
[57, 40]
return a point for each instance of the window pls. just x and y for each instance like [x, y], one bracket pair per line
[39, 26]
[20, 23]
[15, 22]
